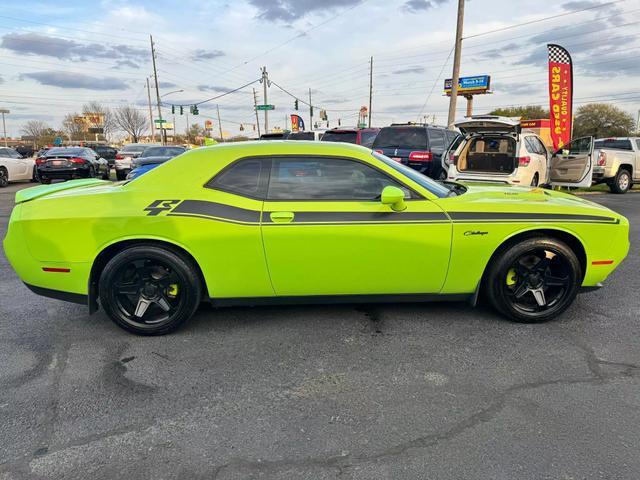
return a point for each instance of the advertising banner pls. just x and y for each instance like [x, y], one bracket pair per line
[297, 123]
[468, 85]
[560, 95]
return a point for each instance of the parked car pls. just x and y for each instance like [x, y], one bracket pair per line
[25, 150]
[68, 163]
[106, 152]
[15, 167]
[314, 135]
[258, 223]
[359, 136]
[496, 149]
[617, 162]
[274, 135]
[126, 154]
[418, 145]
[151, 158]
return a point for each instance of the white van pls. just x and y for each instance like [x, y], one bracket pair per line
[496, 149]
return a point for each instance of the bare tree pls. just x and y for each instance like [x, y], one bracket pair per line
[73, 126]
[109, 124]
[131, 121]
[36, 129]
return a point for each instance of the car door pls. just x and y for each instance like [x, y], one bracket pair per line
[325, 231]
[14, 164]
[572, 165]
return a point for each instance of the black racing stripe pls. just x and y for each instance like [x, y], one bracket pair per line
[217, 210]
[362, 217]
[497, 217]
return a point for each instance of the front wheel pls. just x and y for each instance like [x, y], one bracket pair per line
[4, 177]
[534, 280]
[621, 183]
[149, 290]
[535, 180]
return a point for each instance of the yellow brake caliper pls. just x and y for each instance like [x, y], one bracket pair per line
[172, 291]
[512, 277]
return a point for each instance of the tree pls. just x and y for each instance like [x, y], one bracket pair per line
[195, 132]
[130, 120]
[73, 126]
[109, 124]
[37, 130]
[527, 112]
[602, 120]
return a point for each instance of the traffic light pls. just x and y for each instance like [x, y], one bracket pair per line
[295, 104]
[311, 110]
[173, 109]
[181, 110]
[195, 110]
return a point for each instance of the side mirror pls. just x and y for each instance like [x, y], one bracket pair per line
[394, 197]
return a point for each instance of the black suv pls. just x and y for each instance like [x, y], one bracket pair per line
[417, 145]
[105, 151]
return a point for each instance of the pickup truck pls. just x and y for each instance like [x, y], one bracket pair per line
[585, 162]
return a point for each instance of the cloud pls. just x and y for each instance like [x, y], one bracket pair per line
[125, 63]
[1, 80]
[213, 88]
[291, 10]
[200, 54]
[415, 69]
[518, 88]
[415, 6]
[76, 80]
[166, 85]
[332, 101]
[49, 46]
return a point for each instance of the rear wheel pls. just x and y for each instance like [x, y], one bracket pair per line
[107, 174]
[534, 280]
[4, 177]
[45, 181]
[535, 180]
[92, 172]
[149, 290]
[622, 182]
[120, 175]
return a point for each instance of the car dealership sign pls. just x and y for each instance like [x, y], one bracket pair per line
[469, 85]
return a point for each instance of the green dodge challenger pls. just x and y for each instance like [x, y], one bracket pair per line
[292, 222]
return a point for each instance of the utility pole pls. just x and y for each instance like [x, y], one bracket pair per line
[4, 125]
[455, 78]
[370, 88]
[310, 112]
[153, 128]
[163, 138]
[265, 81]
[219, 123]
[255, 107]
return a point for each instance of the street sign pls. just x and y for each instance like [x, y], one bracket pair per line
[469, 85]
[265, 107]
[57, 141]
[98, 130]
[159, 121]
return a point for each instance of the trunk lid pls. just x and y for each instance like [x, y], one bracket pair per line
[488, 123]
[43, 190]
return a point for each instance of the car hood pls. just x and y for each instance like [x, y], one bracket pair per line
[496, 198]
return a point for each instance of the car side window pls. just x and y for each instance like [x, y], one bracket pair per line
[436, 140]
[542, 150]
[241, 178]
[638, 143]
[579, 146]
[317, 178]
[528, 145]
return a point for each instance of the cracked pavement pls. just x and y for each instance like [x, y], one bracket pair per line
[407, 391]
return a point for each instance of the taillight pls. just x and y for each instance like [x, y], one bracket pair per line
[524, 161]
[602, 158]
[40, 160]
[119, 157]
[451, 160]
[420, 157]
[77, 160]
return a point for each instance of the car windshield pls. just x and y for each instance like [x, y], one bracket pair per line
[402, 137]
[614, 143]
[434, 187]
[64, 151]
[134, 148]
[346, 137]
[162, 152]
[301, 136]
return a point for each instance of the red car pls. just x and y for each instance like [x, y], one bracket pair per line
[359, 136]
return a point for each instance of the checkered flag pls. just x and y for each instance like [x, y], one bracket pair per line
[557, 54]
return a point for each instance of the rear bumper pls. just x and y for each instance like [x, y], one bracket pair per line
[59, 295]
[65, 173]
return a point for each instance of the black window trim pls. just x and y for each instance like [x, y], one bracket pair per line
[265, 178]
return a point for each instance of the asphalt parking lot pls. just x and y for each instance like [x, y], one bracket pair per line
[439, 391]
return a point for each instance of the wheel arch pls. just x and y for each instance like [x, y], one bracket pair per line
[628, 167]
[111, 249]
[570, 238]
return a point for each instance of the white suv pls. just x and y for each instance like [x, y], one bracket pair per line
[496, 149]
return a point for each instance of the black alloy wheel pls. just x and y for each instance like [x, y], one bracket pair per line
[4, 177]
[535, 280]
[149, 290]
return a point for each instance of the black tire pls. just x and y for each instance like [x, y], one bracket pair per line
[4, 177]
[92, 172]
[34, 176]
[45, 181]
[519, 272]
[535, 180]
[107, 174]
[164, 280]
[120, 175]
[443, 175]
[621, 183]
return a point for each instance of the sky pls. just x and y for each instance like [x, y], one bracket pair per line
[56, 56]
